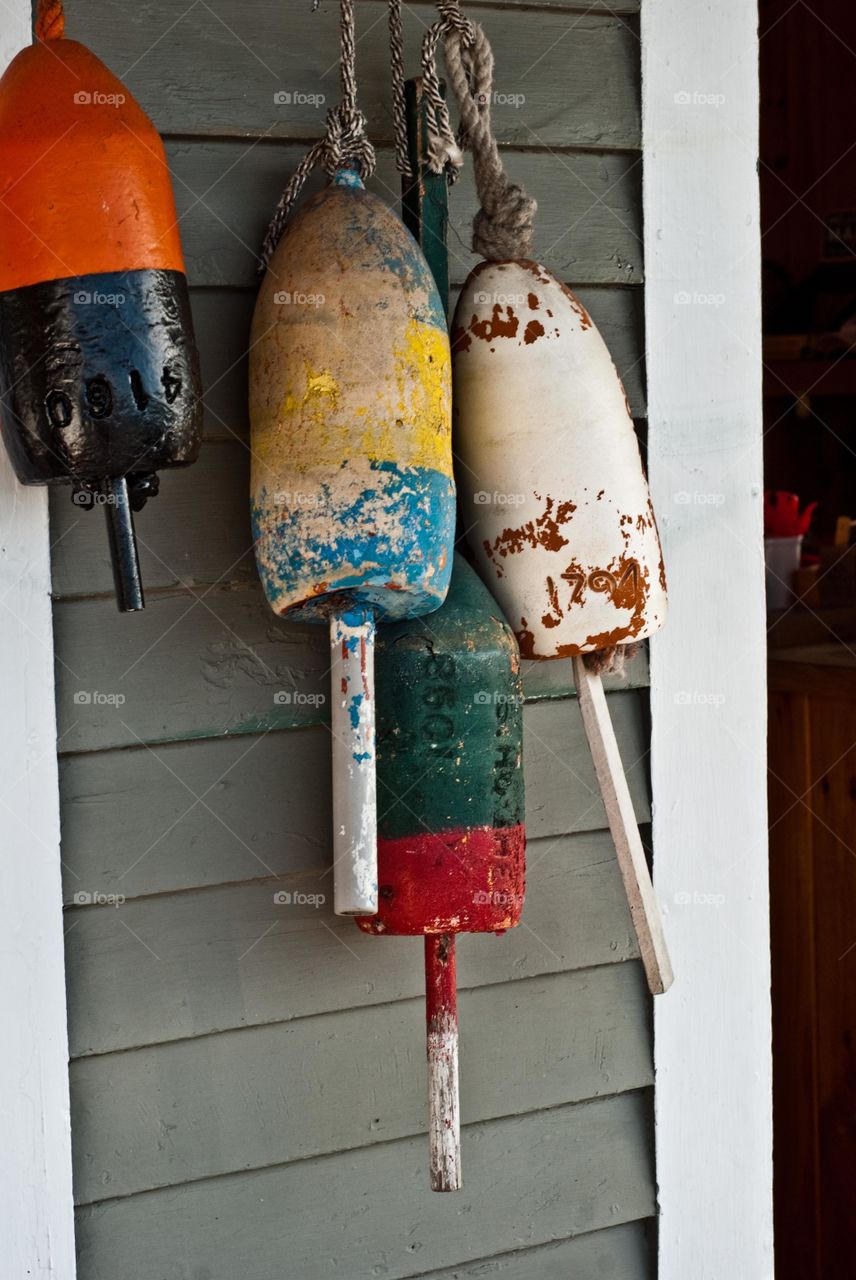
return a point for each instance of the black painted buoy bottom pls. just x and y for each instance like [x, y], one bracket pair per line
[99, 384]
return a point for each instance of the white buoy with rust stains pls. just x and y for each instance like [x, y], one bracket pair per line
[551, 472]
[559, 514]
[554, 497]
[353, 501]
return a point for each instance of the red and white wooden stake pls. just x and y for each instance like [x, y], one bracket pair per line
[441, 1010]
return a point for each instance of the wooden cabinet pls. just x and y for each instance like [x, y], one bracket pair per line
[812, 792]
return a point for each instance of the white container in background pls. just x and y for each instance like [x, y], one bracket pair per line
[782, 559]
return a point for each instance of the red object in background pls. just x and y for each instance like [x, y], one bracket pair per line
[782, 515]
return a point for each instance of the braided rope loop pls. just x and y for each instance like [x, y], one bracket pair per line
[345, 144]
[399, 107]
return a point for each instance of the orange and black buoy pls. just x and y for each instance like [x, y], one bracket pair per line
[99, 376]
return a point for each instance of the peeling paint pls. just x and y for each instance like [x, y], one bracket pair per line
[543, 530]
[570, 544]
[350, 409]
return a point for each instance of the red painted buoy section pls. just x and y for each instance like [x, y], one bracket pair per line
[99, 375]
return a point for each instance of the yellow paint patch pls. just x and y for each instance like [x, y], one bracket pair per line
[322, 384]
[315, 402]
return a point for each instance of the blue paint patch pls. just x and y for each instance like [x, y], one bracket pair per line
[348, 178]
[354, 709]
[401, 576]
[357, 618]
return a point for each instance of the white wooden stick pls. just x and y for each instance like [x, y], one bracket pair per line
[644, 911]
[352, 722]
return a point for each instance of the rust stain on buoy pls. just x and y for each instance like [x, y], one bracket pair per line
[543, 430]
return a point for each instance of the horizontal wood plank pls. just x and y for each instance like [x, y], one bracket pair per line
[234, 808]
[192, 664]
[270, 1095]
[152, 970]
[204, 662]
[588, 227]
[195, 533]
[617, 1253]
[580, 1168]
[266, 70]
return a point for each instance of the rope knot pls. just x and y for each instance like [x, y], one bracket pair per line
[504, 226]
[345, 144]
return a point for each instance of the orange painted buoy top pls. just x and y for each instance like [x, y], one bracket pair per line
[84, 183]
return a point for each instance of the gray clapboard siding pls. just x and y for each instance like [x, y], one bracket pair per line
[588, 227]
[260, 1063]
[222, 320]
[529, 1180]
[579, 74]
[290, 1091]
[158, 969]
[619, 1253]
[217, 660]
[223, 811]
[196, 532]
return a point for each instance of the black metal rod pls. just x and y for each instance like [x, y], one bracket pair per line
[123, 545]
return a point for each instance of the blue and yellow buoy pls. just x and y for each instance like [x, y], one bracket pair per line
[353, 501]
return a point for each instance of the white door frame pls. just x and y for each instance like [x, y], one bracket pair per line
[708, 666]
[36, 1213]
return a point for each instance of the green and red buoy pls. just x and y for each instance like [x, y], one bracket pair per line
[451, 838]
